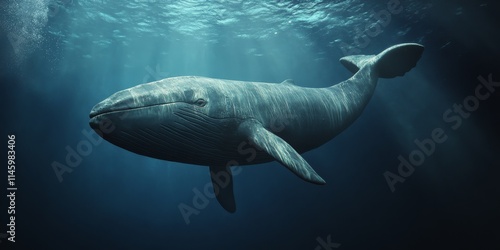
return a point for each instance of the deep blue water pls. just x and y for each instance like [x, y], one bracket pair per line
[59, 58]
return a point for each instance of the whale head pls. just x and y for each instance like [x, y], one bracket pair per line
[174, 119]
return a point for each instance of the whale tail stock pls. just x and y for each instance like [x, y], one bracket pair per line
[392, 62]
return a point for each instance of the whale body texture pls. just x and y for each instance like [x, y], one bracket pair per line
[218, 123]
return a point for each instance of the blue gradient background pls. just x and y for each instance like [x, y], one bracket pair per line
[73, 54]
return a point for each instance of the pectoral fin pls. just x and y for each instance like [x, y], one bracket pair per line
[280, 150]
[222, 181]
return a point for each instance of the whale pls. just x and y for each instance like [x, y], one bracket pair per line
[226, 123]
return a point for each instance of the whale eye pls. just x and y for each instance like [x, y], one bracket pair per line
[200, 102]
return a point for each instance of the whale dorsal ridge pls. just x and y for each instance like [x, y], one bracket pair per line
[288, 81]
[355, 62]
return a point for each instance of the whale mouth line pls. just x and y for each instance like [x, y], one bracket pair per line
[104, 112]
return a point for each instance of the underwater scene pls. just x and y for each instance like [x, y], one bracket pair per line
[231, 124]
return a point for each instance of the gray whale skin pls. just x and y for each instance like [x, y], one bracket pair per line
[222, 123]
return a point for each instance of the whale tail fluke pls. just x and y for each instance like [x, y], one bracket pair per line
[392, 62]
[399, 59]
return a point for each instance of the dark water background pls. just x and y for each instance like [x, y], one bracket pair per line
[59, 58]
